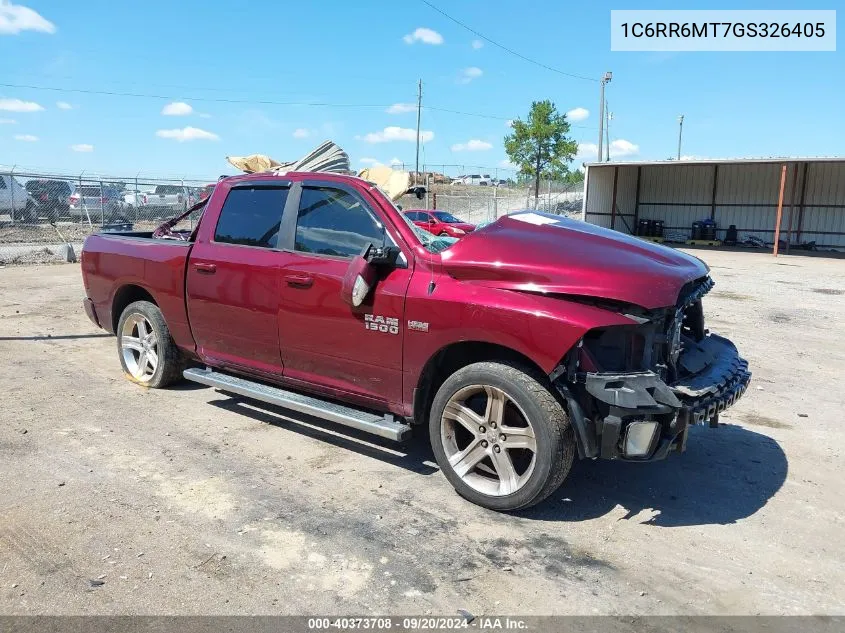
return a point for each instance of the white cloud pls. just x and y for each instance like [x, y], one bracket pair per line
[394, 133]
[82, 147]
[7, 122]
[395, 161]
[468, 74]
[618, 149]
[473, 145]
[509, 123]
[187, 134]
[371, 161]
[14, 18]
[401, 108]
[301, 132]
[577, 114]
[476, 44]
[16, 105]
[506, 164]
[204, 115]
[177, 108]
[586, 151]
[692, 157]
[424, 35]
[63, 105]
[27, 138]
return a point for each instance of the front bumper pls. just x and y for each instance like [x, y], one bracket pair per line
[717, 378]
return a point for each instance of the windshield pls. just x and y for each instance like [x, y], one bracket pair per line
[448, 218]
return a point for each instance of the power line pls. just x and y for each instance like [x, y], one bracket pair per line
[505, 48]
[201, 99]
[491, 116]
[138, 95]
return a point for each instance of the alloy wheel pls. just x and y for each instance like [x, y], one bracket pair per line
[139, 346]
[488, 440]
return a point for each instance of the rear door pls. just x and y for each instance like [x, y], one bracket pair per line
[233, 279]
[324, 341]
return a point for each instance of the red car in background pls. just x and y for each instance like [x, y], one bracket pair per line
[206, 191]
[440, 223]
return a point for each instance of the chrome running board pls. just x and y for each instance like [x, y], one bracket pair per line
[383, 426]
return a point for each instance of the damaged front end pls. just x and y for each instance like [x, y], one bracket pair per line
[634, 390]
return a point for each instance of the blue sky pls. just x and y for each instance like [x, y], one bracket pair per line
[223, 62]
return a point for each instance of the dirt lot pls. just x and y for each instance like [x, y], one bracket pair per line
[186, 501]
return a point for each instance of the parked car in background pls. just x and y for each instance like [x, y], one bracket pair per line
[135, 198]
[474, 179]
[51, 197]
[167, 200]
[440, 223]
[101, 204]
[16, 201]
[206, 191]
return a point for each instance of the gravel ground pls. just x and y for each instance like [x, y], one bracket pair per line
[116, 499]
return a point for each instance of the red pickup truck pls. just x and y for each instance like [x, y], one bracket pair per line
[524, 343]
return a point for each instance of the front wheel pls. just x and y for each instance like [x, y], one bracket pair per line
[499, 436]
[147, 352]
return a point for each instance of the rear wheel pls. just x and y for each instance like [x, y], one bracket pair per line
[500, 436]
[147, 352]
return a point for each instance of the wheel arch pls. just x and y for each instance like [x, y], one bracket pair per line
[126, 294]
[449, 359]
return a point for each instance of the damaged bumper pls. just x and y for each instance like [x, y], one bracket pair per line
[646, 418]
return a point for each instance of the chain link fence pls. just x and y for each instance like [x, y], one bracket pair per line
[46, 217]
[480, 204]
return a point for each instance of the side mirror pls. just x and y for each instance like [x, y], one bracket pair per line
[361, 275]
[359, 279]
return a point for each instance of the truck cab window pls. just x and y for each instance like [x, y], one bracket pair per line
[251, 217]
[334, 222]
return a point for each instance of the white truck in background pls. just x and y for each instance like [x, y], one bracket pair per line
[15, 200]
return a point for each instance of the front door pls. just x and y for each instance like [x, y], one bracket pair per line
[325, 341]
[233, 282]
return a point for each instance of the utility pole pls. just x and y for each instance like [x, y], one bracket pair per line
[604, 80]
[607, 135]
[419, 110]
[680, 134]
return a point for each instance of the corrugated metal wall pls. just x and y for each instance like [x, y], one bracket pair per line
[742, 194]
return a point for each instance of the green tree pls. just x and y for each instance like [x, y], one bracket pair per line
[539, 146]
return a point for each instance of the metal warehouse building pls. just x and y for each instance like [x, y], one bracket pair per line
[744, 193]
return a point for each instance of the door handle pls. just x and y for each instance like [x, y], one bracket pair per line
[302, 281]
[206, 269]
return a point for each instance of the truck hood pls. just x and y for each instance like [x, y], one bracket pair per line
[538, 252]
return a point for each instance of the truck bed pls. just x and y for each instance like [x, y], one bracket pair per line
[112, 261]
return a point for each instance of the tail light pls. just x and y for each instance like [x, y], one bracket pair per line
[44, 197]
[144, 199]
[73, 199]
[104, 199]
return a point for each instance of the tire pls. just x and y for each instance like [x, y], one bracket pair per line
[137, 322]
[443, 234]
[523, 397]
